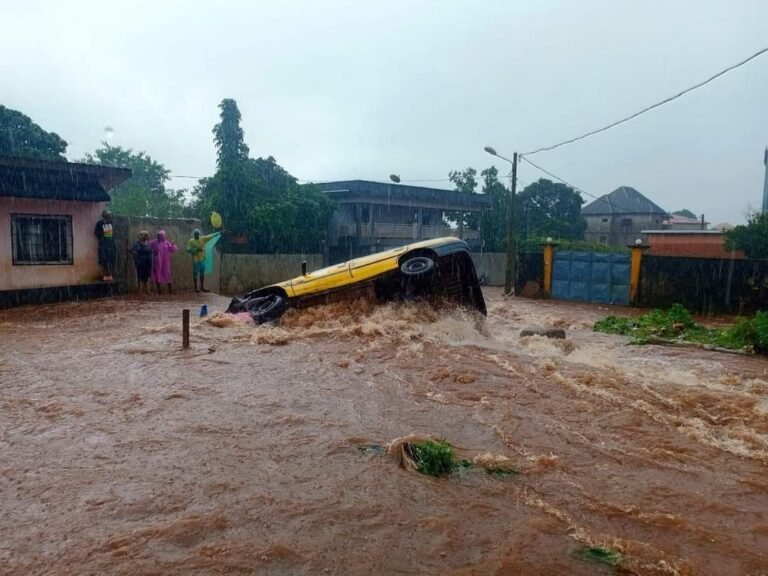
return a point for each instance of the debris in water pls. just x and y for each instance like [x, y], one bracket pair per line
[221, 320]
[372, 449]
[557, 333]
[495, 464]
[425, 454]
[600, 555]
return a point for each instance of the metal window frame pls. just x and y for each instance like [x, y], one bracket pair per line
[70, 240]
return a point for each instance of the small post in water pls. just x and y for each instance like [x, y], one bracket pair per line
[185, 328]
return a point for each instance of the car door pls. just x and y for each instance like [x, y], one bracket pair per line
[374, 265]
[322, 280]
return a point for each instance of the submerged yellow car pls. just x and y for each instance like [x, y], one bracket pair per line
[434, 269]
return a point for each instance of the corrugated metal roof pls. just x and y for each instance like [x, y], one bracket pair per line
[623, 200]
[56, 180]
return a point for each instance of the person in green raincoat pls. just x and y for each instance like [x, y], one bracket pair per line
[197, 249]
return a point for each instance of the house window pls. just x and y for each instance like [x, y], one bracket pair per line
[605, 220]
[626, 223]
[603, 240]
[366, 214]
[41, 239]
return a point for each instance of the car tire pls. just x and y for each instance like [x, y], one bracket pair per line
[266, 309]
[236, 305]
[417, 266]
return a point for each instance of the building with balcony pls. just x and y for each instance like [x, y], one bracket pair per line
[375, 216]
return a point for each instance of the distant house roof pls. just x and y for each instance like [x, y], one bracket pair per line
[723, 226]
[677, 219]
[623, 200]
[366, 191]
[58, 180]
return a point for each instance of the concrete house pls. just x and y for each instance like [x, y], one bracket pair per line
[619, 218]
[375, 216]
[48, 210]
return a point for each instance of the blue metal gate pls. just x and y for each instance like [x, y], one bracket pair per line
[596, 277]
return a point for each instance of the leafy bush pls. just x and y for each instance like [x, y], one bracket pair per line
[748, 332]
[677, 323]
[434, 458]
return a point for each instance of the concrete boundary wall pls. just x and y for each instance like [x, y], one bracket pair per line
[242, 273]
[492, 266]
[179, 230]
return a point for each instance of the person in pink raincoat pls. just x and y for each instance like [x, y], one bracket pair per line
[162, 248]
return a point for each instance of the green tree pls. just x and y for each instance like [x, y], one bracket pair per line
[258, 198]
[294, 222]
[464, 181]
[144, 193]
[685, 213]
[234, 190]
[751, 238]
[547, 208]
[229, 136]
[19, 136]
[494, 218]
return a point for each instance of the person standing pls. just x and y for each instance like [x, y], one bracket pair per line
[196, 249]
[162, 248]
[142, 258]
[107, 251]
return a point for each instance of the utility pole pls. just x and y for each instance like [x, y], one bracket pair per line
[511, 272]
[765, 182]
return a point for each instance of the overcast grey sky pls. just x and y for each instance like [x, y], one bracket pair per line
[341, 90]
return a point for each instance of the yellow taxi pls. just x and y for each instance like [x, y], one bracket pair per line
[441, 268]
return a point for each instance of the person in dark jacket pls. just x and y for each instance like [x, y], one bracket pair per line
[142, 258]
[107, 252]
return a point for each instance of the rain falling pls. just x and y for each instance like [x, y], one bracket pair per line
[412, 288]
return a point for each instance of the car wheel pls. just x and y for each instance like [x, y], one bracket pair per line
[236, 305]
[417, 266]
[268, 308]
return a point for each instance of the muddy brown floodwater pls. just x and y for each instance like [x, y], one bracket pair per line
[123, 454]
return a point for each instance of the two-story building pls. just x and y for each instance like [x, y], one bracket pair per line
[619, 218]
[375, 216]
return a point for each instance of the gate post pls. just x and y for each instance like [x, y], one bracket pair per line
[636, 260]
[549, 259]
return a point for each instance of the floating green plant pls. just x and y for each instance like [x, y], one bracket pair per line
[600, 555]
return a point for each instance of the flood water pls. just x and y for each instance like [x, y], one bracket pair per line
[123, 454]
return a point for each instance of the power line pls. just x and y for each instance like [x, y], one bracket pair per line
[652, 106]
[558, 178]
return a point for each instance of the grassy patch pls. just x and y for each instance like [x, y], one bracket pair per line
[678, 324]
[600, 555]
[433, 458]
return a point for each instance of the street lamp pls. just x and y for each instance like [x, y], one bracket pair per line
[511, 272]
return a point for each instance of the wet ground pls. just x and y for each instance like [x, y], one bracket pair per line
[123, 454]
